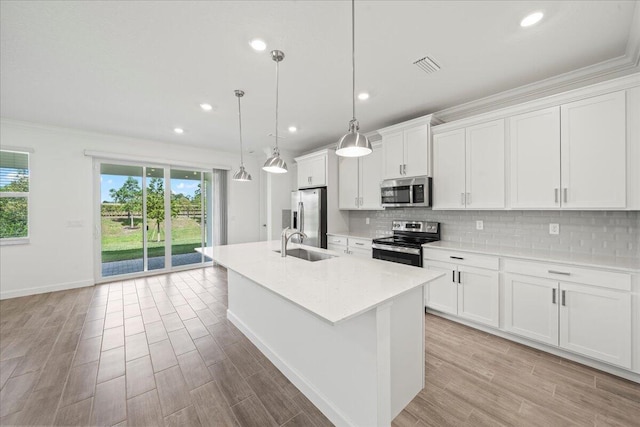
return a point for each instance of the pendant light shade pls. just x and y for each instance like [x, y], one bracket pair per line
[241, 174]
[275, 164]
[353, 143]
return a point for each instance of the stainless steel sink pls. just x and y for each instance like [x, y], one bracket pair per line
[307, 255]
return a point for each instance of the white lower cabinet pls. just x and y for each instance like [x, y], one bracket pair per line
[531, 307]
[588, 320]
[596, 322]
[469, 292]
[356, 246]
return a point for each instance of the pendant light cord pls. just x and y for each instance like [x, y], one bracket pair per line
[353, 54]
[240, 125]
[277, 83]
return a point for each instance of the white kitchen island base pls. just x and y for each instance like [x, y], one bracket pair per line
[360, 372]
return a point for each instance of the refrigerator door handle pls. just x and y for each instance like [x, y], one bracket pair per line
[301, 213]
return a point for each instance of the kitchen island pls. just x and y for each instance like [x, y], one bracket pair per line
[348, 332]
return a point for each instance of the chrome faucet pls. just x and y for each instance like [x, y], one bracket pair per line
[286, 235]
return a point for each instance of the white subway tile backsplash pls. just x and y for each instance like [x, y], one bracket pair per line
[613, 233]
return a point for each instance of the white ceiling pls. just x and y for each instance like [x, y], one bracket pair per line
[142, 68]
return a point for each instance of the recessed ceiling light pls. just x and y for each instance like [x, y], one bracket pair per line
[293, 129]
[363, 96]
[206, 107]
[179, 131]
[258, 45]
[531, 19]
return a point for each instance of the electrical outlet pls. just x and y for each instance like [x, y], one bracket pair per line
[479, 225]
[367, 221]
[554, 228]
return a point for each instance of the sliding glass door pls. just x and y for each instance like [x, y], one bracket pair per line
[152, 218]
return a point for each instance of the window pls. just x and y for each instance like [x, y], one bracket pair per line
[14, 196]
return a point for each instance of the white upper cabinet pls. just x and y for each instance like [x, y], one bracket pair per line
[575, 150]
[393, 155]
[416, 151]
[485, 165]
[468, 167]
[348, 183]
[449, 170]
[370, 179]
[535, 159]
[593, 152]
[312, 170]
[359, 181]
[406, 149]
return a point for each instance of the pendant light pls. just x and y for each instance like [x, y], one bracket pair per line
[275, 164]
[241, 174]
[353, 143]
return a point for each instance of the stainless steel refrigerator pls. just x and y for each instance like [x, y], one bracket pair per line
[309, 215]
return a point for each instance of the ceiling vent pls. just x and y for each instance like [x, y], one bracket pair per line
[427, 64]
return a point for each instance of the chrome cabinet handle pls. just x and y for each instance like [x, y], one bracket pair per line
[459, 278]
[564, 298]
[404, 169]
[468, 199]
[361, 202]
[555, 190]
[564, 273]
[462, 199]
[359, 244]
[356, 201]
[455, 257]
[453, 276]
[565, 194]
[400, 169]
[553, 296]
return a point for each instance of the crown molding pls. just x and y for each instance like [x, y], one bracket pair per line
[601, 88]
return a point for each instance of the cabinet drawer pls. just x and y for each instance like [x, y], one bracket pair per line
[462, 258]
[565, 273]
[364, 253]
[359, 243]
[336, 240]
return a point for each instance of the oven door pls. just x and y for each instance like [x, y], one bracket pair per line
[399, 254]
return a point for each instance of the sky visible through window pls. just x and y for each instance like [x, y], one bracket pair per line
[107, 182]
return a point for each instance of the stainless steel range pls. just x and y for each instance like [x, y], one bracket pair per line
[405, 246]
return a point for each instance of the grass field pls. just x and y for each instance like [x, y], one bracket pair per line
[119, 242]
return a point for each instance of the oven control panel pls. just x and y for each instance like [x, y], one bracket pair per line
[416, 226]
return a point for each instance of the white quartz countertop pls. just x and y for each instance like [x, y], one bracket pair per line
[631, 265]
[349, 234]
[334, 289]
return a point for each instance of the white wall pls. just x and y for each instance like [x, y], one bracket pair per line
[60, 253]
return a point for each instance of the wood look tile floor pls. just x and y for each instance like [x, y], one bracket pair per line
[159, 351]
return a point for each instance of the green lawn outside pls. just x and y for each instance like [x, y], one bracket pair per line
[119, 242]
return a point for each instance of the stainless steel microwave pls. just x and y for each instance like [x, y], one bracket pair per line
[406, 192]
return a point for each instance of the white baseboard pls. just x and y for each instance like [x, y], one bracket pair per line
[44, 289]
[317, 398]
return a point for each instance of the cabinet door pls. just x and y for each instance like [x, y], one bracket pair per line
[348, 183]
[342, 249]
[318, 171]
[362, 253]
[370, 179]
[535, 159]
[442, 293]
[449, 170]
[485, 165]
[596, 322]
[531, 307]
[478, 295]
[593, 152]
[304, 174]
[392, 155]
[416, 151]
